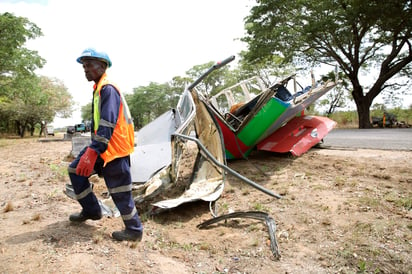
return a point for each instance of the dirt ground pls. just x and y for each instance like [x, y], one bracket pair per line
[342, 211]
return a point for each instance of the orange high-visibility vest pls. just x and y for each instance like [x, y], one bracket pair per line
[121, 143]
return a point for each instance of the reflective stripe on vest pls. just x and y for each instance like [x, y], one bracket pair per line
[121, 143]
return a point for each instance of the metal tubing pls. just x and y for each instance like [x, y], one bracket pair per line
[228, 169]
[214, 67]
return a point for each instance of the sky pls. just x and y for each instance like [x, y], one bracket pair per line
[147, 41]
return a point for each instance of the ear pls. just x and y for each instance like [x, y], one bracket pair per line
[103, 66]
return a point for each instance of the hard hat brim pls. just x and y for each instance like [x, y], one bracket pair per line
[81, 58]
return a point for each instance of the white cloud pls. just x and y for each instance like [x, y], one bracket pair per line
[148, 41]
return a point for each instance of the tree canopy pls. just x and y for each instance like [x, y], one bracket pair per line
[25, 98]
[357, 35]
[148, 102]
[14, 57]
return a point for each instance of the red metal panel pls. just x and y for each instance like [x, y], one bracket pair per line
[232, 144]
[298, 135]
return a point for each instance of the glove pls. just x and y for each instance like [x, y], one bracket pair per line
[86, 163]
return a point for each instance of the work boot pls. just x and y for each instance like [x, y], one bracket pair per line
[82, 216]
[127, 235]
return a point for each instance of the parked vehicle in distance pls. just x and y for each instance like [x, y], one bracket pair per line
[386, 120]
[80, 128]
[70, 130]
[50, 130]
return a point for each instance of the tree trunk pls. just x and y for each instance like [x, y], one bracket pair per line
[364, 115]
[363, 107]
[22, 130]
[18, 128]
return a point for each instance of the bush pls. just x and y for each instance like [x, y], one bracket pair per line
[345, 119]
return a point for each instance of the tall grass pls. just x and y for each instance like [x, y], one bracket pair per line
[349, 119]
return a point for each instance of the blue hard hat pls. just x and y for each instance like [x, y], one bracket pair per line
[94, 54]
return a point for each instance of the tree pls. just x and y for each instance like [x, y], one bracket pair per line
[358, 35]
[148, 102]
[18, 103]
[34, 100]
[177, 85]
[14, 57]
[86, 112]
[18, 83]
[59, 100]
[337, 97]
[266, 68]
[214, 82]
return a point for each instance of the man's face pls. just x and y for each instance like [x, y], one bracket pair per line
[93, 69]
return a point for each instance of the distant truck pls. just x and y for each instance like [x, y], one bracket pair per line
[70, 130]
[387, 120]
[50, 130]
[80, 128]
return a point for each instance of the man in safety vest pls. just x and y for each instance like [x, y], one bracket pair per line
[108, 154]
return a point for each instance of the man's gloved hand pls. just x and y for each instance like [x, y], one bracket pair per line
[86, 164]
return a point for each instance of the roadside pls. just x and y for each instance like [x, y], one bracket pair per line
[343, 211]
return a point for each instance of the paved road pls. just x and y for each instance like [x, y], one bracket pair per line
[376, 138]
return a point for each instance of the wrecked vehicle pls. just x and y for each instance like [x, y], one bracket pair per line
[271, 119]
[180, 157]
